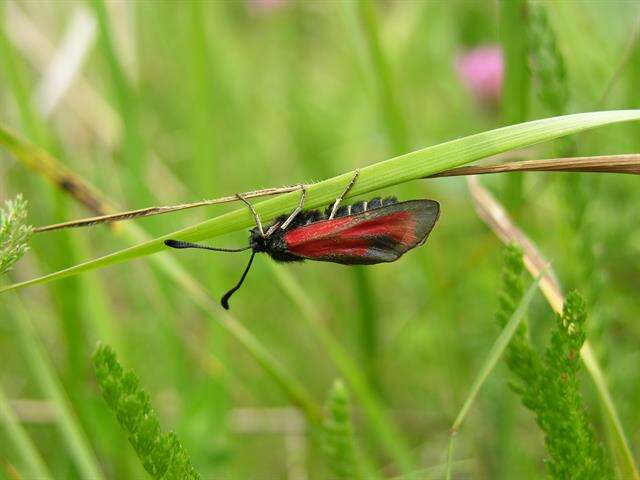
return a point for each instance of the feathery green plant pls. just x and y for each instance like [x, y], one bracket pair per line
[14, 232]
[549, 69]
[547, 63]
[519, 356]
[549, 384]
[161, 454]
[338, 434]
[510, 329]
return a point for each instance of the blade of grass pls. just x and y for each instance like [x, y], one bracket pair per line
[398, 140]
[495, 216]
[13, 72]
[414, 165]
[490, 362]
[368, 324]
[626, 163]
[517, 79]
[48, 381]
[134, 158]
[396, 130]
[601, 164]
[34, 466]
[386, 432]
[515, 95]
[70, 310]
[625, 60]
[44, 164]
[152, 211]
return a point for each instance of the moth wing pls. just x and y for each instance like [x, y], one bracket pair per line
[380, 235]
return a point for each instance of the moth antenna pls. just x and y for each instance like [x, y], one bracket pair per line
[180, 244]
[224, 301]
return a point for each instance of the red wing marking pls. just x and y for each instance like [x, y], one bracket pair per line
[380, 235]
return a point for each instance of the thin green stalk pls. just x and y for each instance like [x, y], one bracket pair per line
[389, 104]
[126, 99]
[296, 392]
[515, 93]
[34, 466]
[401, 169]
[398, 141]
[489, 364]
[555, 299]
[626, 463]
[204, 88]
[387, 434]
[517, 77]
[368, 323]
[205, 97]
[65, 299]
[13, 72]
[48, 381]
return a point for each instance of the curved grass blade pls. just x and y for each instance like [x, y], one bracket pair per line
[625, 163]
[33, 465]
[71, 431]
[490, 362]
[378, 419]
[494, 215]
[410, 166]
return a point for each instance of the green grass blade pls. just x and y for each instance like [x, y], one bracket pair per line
[410, 166]
[38, 160]
[126, 99]
[555, 299]
[513, 37]
[396, 130]
[48, 381]
[391, 112]
[489, 364]
[378, 421]
[34, 466]
[13, 74]
[515, 96]
[625, 460]
[293, 389]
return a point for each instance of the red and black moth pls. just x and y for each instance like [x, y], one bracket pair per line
[364, 233]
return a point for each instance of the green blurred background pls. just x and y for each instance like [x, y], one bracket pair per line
[171, 102]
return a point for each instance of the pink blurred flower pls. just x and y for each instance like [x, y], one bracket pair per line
[258, 6]
[481, 70]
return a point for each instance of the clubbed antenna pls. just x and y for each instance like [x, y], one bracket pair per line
[225, 299]
[181, 244]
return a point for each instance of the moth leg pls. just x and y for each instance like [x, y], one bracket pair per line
[298, 209]
[253, 212]
[336, 204]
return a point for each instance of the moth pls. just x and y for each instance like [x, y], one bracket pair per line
[364, 233]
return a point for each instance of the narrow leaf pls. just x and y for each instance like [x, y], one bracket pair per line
[410, 166]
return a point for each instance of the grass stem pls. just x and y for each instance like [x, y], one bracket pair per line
[489, 364]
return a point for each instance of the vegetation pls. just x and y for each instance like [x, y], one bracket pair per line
[549, 385]
[161, 454]
[110, 106]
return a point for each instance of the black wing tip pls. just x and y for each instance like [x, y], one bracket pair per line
[434, 204]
